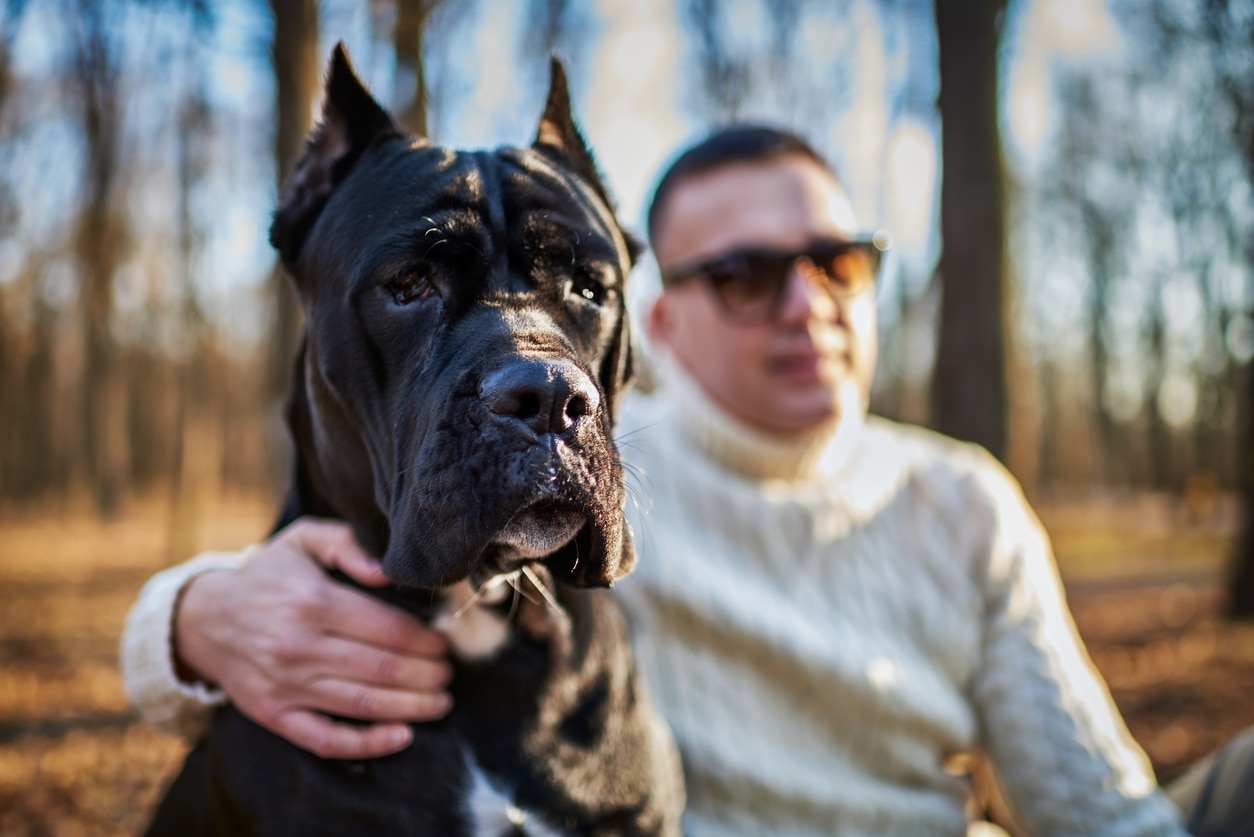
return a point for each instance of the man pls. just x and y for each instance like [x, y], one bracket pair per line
[833, 612]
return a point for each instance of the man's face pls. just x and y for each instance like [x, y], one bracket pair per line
[814, 361]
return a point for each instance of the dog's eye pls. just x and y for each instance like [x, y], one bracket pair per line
[410, 286]
[589, 287]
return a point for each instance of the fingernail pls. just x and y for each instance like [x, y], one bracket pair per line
[401, 736]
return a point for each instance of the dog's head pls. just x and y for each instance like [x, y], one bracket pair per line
[465, 343]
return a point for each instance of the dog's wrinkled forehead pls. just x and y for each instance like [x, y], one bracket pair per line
[496, 210]
[361, 175]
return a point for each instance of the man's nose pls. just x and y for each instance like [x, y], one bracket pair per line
[806, 295]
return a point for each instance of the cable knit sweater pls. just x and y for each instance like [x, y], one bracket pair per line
[824, 623]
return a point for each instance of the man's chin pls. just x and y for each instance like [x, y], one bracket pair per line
[814, 409]
[800, 416]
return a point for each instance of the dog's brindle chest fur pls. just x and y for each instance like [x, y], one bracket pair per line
[453, 401]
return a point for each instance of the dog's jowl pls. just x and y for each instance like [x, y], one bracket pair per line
[453, 400]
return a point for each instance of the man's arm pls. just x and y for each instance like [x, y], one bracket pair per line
[1062, 751]
[271, 631]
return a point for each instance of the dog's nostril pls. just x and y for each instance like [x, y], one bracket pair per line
[528, 406]
[545, 395]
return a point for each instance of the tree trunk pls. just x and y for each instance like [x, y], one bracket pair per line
[297, 70]
[98, 246]
[411, 105]
[1235, 33]
[1241, 581]
[969, 386]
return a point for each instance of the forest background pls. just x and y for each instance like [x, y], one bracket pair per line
[1069, 185]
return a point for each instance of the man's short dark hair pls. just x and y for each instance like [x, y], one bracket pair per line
[726, 146]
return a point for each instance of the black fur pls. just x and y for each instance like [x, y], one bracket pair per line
[428, 277]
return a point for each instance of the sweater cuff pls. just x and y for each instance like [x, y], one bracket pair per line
[147, 652]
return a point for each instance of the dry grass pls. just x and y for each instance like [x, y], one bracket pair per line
[73, 759]
[1142, 577]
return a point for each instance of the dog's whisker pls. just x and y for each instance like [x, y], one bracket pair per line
[621, 439]
[461, 611]
[541, 587]
[482, 591]
[518, 589]
[513, 604]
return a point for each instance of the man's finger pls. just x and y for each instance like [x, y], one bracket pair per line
[363, 702]
[332, 544]
[355, 615]
[336, 740]
[350, 660]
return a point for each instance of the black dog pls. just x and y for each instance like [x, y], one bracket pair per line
[465, 344]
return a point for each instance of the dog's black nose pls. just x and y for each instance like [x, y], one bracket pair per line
[548, 396]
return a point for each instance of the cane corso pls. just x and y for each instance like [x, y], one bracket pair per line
[454, 396]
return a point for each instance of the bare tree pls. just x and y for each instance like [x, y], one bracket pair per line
[10, 20]
[98, 244]
[196, 465]
[724, 75]
[408, 32]
[1229, 28]
[969, 383]
[297, 70]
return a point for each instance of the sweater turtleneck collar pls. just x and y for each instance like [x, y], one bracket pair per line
[753, 453]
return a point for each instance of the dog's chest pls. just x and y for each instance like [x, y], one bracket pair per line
[492, 812]
[475, 628]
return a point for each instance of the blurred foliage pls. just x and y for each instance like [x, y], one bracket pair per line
[141, 373]
[139, 346]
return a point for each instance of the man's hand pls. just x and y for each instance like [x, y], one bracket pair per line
[288, 644]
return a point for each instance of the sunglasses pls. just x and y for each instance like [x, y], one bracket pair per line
[750, 283]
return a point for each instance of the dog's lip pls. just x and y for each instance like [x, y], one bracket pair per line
[534, 533]
[540, 529]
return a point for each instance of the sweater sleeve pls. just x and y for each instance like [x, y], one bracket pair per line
[1068, 762]
[147, 657]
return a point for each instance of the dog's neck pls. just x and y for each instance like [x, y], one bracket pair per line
[479, 621]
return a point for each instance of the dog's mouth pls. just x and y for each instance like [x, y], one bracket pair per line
[533, 533]
[495, 513]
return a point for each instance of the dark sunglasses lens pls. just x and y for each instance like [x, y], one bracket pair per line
[747, 285]
[850, 268]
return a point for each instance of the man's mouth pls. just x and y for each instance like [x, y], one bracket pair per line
[805, 367]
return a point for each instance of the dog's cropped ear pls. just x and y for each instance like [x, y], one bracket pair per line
[559, 136]
[352, 121]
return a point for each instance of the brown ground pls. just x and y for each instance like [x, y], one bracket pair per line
[1141, 575]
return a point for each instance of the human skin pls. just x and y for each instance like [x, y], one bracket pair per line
[814, 361]
[292, 647]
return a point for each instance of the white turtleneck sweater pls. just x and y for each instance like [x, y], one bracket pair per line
[825, 622]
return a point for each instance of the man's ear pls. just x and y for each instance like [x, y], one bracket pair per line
[352, 121]
[658, 321]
